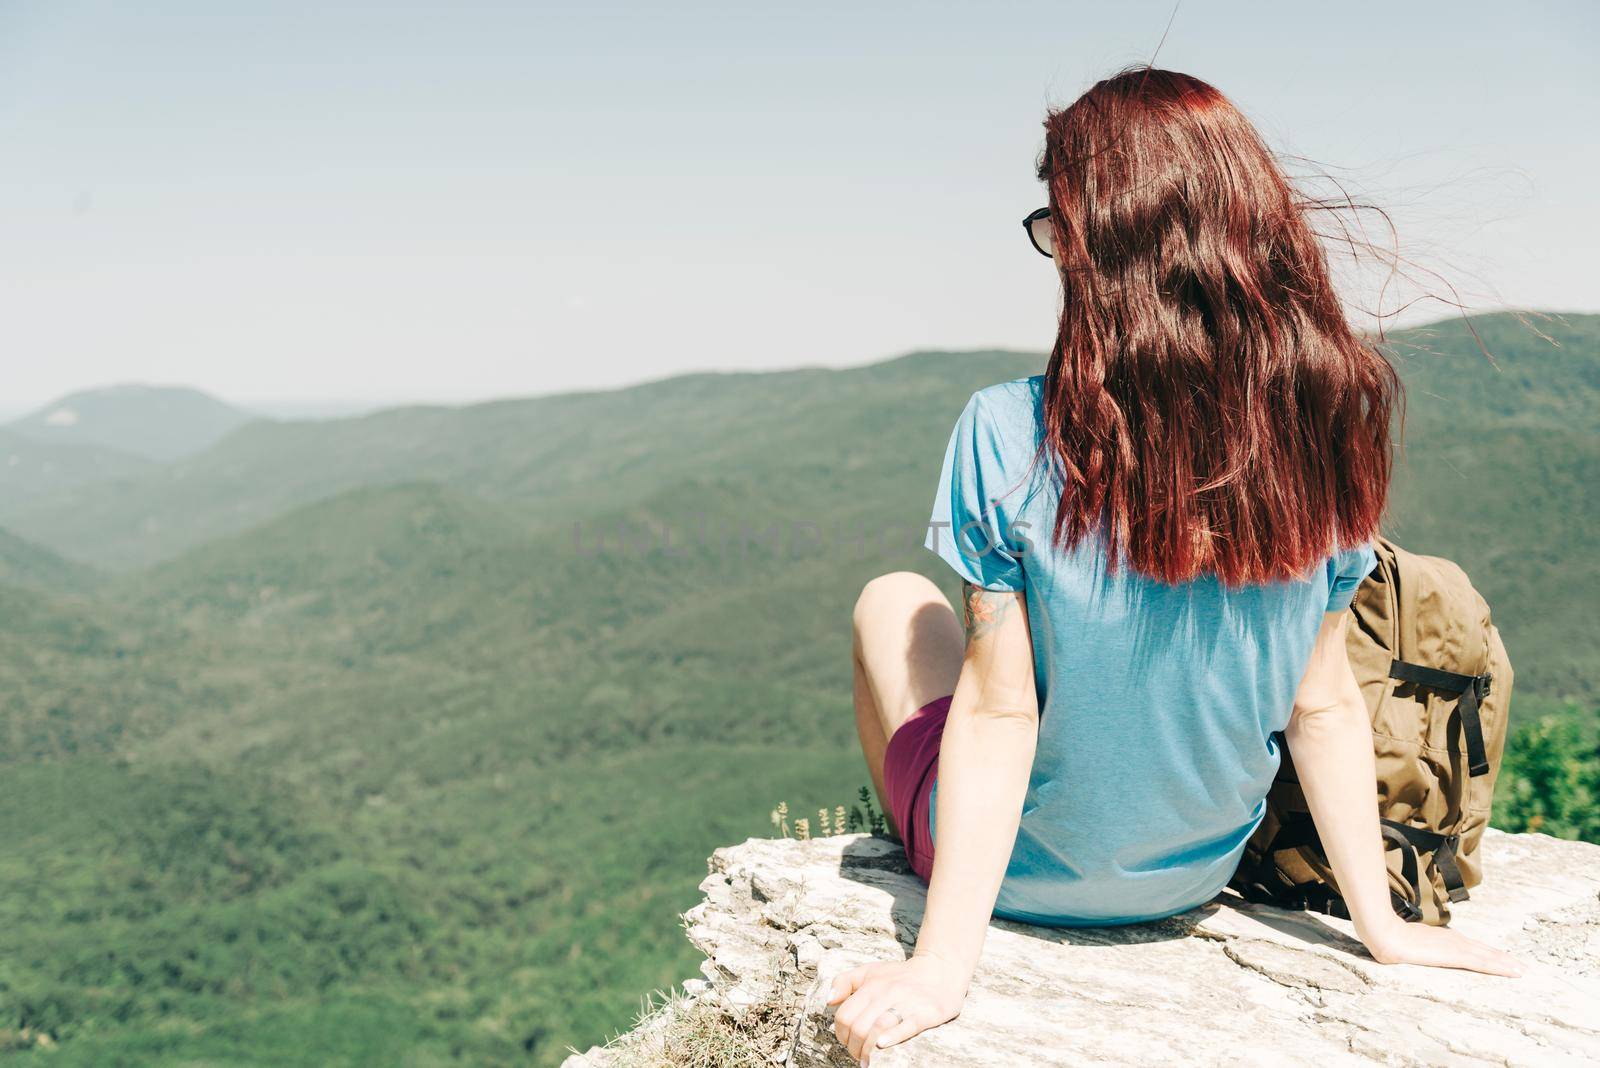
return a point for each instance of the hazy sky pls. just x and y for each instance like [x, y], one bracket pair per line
[448, 201]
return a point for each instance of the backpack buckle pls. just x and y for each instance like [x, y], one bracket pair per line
[1404, 908]
[1481, 684]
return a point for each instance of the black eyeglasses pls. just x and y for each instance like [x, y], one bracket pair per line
[1040, 233]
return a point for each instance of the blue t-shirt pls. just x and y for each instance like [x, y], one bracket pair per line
[1157, 702]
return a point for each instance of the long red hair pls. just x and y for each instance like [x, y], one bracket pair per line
[1209, 408]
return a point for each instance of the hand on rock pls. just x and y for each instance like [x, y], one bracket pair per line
[885, 1004]
[1437, 947]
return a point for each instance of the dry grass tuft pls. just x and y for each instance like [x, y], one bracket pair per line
[678, 1031]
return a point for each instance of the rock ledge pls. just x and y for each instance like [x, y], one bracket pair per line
[1227, 983]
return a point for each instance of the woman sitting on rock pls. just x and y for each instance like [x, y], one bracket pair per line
[1157, 539]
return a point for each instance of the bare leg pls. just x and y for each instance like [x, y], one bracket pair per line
[908, 651]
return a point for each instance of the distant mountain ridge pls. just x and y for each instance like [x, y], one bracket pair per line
[158, 423]
[551, 454]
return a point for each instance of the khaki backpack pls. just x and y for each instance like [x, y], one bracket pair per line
[1438, 687]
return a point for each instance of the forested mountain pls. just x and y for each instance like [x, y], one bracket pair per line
[31, 470]
[23, 563]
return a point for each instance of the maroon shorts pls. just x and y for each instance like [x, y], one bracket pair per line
[910, 766]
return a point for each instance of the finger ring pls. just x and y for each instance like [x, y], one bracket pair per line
[898, 1019]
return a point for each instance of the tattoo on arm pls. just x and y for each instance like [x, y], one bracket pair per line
[984, 609]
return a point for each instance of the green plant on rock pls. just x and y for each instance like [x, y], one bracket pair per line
[859, 817]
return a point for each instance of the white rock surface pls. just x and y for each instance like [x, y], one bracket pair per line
[1228, 983]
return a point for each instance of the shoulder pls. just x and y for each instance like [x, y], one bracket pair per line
[1352, 561]
[1012, 411]
[1347, 568]
[996, 440]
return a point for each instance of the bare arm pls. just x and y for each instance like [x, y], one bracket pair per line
[1330, 736]
[984, 761]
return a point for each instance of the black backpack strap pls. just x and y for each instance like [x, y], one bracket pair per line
[1409, 867]
[1404, 908]
[1266, 884]
[1472, 688]
[1445, 859]
[1320, 897]
[1442, 846]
